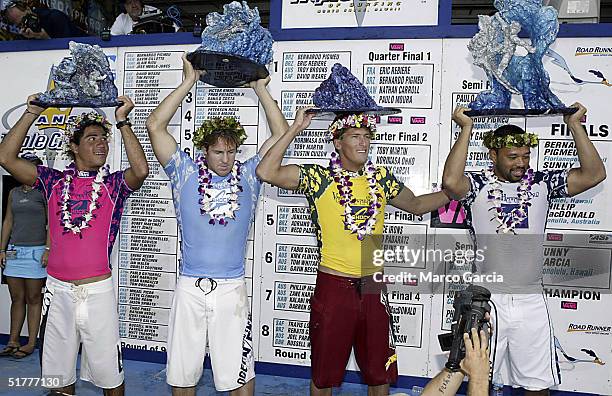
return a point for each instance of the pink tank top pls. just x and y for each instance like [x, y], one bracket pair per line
[74, 257]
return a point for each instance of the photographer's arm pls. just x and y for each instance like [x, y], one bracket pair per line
[446, 383]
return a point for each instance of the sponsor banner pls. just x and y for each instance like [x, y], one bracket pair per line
[360, 13]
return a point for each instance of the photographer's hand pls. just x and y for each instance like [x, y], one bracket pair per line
[476, 362]
[28, 33]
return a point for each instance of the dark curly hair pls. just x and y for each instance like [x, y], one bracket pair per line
[79, 131]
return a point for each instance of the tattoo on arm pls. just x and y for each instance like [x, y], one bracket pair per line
[445, 382]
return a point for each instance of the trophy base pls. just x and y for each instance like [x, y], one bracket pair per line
[58, 104]
[522, 112]
[225, 70]
[332, 113]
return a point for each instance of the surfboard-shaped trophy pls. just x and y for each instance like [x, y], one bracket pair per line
[493, 49]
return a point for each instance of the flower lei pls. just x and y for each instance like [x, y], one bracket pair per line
[75, 125]
[507, 222]
[66, 216]
[491, 141]
[341, 177]
[353, 121]
[205, 181]
[217, 124]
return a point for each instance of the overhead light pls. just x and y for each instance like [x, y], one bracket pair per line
[576, 11]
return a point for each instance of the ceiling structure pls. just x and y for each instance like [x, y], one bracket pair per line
[467, 11]
[464, 11]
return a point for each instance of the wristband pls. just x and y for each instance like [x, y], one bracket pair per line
[123, 123]
[47, 248]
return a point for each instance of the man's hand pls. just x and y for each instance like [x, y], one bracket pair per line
[121, 113]
[460, 118]
[2, 260]
[302, 119]
[576, 118]
[29, 33]
[475, 364]
[30, 107]
[260, 84]
[189, 73]
[44, 259]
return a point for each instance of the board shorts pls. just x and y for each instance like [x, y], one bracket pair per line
[214, 312]
[523, 339]
[347, 313]
[84, 314]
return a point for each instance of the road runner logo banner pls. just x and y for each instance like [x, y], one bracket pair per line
[357, 13]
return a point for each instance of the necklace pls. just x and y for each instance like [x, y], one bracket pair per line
[342, 179]
[205, 182]
[507, 222]
[66, 217]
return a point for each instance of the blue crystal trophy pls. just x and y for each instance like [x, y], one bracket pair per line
[343, 93]
[82, 80]
[235, 47]
[493, 49]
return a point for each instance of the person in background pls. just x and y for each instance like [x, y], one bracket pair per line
[23, 258]
[135, 10]
[40, 23]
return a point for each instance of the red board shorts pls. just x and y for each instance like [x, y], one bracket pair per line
[347, 313]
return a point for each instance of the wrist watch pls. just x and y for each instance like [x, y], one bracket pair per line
[123, 123]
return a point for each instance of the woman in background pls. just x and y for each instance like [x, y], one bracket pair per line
[23, 258]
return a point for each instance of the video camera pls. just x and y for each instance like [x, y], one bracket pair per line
[31, 21]
[470, 305]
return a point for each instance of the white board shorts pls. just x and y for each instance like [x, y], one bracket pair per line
[523, 339]
[84, 314]
[214, 312]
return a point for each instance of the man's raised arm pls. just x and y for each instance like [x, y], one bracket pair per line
[138, 171]
[270, 169]
[275, 118]
[22, 170]
[454, 181]
[162, 141]
[592, 170]
[418, 205]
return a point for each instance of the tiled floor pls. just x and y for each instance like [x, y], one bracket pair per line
[149, 379]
